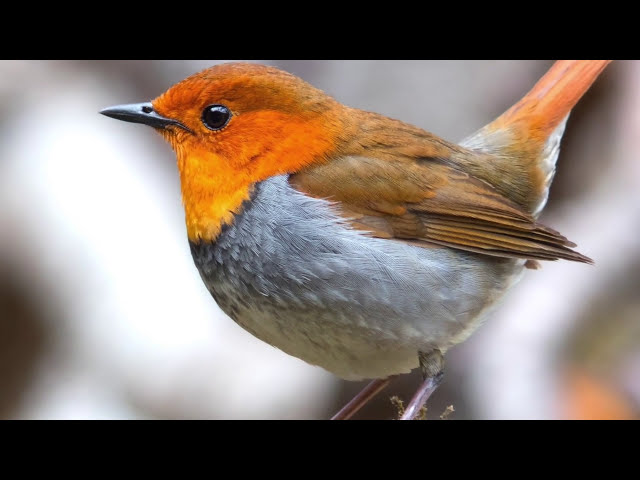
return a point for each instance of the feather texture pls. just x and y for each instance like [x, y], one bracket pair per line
[427, 201]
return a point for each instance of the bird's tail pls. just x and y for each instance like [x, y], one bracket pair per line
[545, 107]
[527, 136]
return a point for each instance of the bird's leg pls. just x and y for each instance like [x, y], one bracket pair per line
[432, 366]
[361, 399]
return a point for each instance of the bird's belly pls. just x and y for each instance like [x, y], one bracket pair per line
[351, 339]
[360, 307]
[342, 342]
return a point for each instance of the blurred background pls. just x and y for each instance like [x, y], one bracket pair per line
[103, 314]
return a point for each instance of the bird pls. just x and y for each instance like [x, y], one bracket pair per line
[353, 241]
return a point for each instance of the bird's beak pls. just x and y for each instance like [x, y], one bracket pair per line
[141, 113]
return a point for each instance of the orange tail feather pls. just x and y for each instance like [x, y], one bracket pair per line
[525, 140]
[553, 97]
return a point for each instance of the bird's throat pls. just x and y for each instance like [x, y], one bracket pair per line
[212, 196]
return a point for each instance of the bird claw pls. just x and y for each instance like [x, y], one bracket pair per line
[429, 385]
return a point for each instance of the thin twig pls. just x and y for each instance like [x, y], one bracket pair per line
[361, 399]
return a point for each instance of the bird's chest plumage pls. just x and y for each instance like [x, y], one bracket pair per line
[292, 273]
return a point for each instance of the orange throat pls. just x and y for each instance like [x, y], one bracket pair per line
[218, 169]
[212, 194]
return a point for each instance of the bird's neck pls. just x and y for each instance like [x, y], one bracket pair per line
[217, 177]
[212, 194]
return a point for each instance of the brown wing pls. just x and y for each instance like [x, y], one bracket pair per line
[428, 201]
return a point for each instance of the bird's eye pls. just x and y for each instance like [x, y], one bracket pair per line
[216, 117]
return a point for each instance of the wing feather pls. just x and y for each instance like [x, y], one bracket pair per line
[427, 201]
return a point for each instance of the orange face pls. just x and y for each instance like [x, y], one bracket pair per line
[275, 124]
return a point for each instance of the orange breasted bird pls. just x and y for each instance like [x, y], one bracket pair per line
[354, 241]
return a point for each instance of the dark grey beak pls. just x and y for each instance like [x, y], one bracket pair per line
[141, 113]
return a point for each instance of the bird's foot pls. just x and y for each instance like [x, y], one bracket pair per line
[432, 366]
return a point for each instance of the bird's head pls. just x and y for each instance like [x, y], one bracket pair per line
[236, 124]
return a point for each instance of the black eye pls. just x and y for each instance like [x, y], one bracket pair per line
[216, 117]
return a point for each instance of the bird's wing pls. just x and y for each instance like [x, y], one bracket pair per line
[429, 201]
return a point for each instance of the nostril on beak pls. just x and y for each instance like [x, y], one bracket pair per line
[147, 109]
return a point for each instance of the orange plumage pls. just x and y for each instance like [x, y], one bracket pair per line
[282, 125]
[279, 126]
[357, 242]
[540, 111]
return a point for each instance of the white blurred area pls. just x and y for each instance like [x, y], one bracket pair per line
[92, 229]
